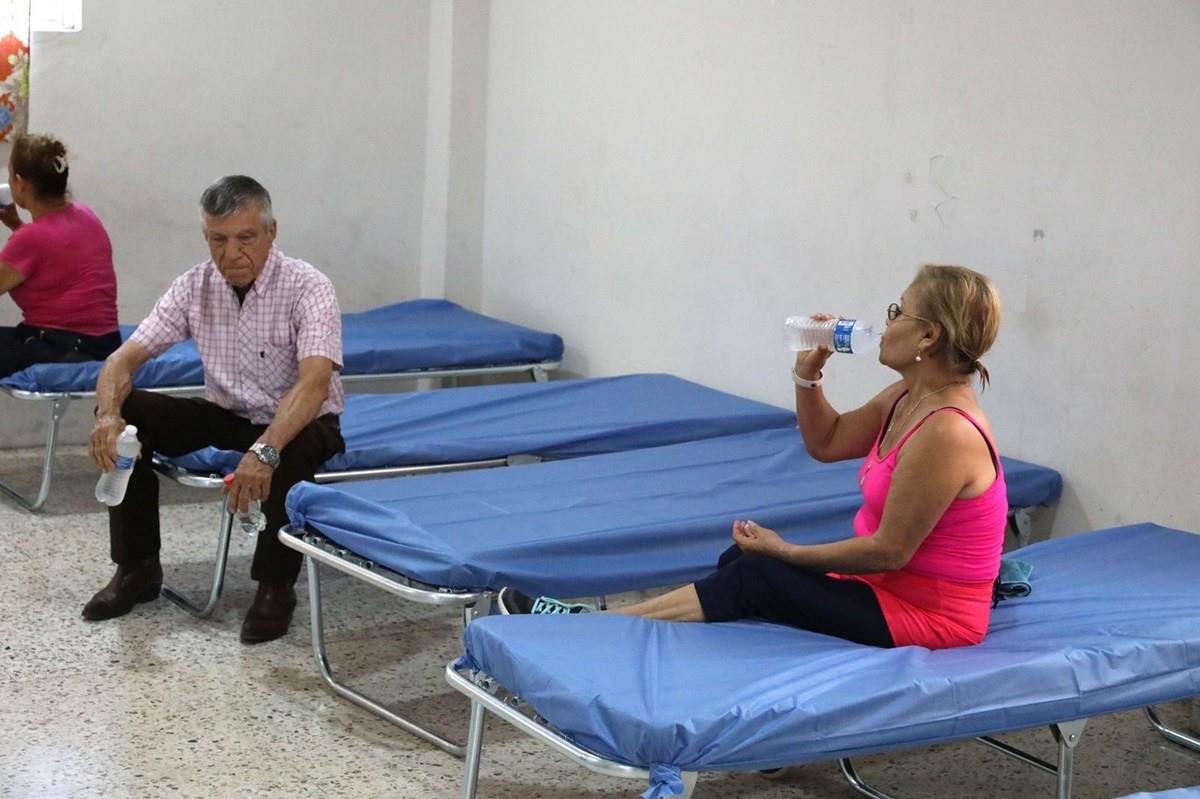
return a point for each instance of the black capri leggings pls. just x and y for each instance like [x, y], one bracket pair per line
[749, 586]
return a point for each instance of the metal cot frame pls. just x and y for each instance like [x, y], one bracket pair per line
[225, 528]
[486, 695]
[318, 549]
[60, 401]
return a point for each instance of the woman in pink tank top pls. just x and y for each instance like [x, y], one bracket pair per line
[926, 547]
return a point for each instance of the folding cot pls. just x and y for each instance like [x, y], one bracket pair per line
[414, 339]
[1111, 625]
[589, 526]
[1174, 793]
[406, 434]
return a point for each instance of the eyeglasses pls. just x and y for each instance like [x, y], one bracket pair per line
[894, 313]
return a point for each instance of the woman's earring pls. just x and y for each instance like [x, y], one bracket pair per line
[918, 356]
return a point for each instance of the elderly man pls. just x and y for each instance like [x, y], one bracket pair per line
[269, 334]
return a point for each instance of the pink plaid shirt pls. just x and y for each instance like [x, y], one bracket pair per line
[251, 352]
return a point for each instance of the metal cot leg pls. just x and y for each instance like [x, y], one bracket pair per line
[57, 409]
[1023, 523]
[218, 575]
[857, 782]
[346, 692]
[474, 752]
[1067, 734]
[475, 610]
[1172, 734]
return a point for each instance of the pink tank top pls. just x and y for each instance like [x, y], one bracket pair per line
[942, 597]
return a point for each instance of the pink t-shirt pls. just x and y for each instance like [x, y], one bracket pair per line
[66, 258]
[942, 597]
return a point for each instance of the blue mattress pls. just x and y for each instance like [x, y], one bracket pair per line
[560, 419]
[603, 524]
[1174, 793]
[407, 336]
[1110, 625]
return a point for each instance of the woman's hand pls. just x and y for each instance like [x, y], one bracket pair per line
[251, 481]
[9, 216]
[809, 363]
[753, 538]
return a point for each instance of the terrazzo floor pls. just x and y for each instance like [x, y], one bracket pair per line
[160, 704]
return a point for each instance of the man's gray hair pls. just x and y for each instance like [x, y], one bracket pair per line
[232, 193]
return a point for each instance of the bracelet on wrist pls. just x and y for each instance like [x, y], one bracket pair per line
[802, 382]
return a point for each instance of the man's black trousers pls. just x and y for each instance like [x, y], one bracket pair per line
[175, 426]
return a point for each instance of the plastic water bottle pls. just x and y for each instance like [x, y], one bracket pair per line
[6, 197]
[253, 521]
[839, 335]
[110, 488]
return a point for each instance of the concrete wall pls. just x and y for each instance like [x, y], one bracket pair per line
[667, 181]
[662, 183]
[324, 103]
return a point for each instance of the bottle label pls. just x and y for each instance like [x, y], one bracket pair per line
[125, 461]
[841, 335]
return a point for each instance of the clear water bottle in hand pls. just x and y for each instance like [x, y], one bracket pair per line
[253, 521]
[6, 197]
[837, 335]
[110, 488]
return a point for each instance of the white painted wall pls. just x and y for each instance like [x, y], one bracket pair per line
[468, 141]
[666, 181]
[663, 182]
[324, 103]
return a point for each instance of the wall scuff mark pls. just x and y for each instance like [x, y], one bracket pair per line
[941, 173]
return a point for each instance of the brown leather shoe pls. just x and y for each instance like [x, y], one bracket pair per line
[270, 614]
[134, 583]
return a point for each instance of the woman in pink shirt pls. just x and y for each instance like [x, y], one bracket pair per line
[58, 268]
[926, 548]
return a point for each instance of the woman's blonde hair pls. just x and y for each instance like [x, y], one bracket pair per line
[967, 306]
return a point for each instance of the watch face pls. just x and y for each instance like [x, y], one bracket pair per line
[266, 453]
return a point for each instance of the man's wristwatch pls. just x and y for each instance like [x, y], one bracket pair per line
[266, 454]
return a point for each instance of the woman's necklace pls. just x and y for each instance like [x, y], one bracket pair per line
[907, 415]
[917, 404]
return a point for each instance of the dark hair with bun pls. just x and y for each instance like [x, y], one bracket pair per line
[42, 160]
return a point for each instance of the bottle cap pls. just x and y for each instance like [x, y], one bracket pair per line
[131, 429]
[229, 479]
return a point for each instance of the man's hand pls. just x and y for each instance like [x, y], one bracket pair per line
[752, 538]
[113, 387]
[103, 444]
[251, 481]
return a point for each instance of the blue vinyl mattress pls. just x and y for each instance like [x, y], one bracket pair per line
[1110, 625]
[407, 336]
[558, 419]
[606, 523]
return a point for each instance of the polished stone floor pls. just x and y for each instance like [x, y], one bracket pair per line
[159, 704]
